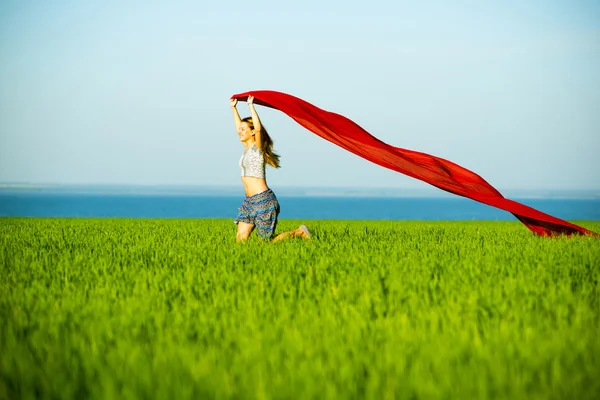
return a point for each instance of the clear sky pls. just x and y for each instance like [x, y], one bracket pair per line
[137, 92]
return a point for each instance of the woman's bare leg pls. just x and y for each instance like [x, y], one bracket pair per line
[243, 232]
[301, 232]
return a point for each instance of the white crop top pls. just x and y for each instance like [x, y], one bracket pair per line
[252, 163]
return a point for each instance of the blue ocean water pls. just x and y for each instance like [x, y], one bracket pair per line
[28, 204]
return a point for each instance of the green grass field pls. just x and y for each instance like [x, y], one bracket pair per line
[175, 309]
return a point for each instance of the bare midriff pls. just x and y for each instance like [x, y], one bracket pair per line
[254, 185]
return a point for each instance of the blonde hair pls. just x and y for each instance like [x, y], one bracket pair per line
[271, 157]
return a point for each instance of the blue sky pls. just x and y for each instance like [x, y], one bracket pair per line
[138, 92]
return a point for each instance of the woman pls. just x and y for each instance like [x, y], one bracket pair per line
[260, 208]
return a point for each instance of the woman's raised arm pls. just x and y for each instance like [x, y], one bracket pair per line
[236, 116]
[256, 123]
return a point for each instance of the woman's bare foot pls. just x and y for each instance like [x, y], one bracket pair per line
[303, 232]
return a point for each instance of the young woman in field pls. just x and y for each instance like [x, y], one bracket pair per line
[260, 208]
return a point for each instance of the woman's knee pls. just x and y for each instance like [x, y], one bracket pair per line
[243, 231]
[242, 236]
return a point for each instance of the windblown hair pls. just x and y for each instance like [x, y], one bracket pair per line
[271, 157]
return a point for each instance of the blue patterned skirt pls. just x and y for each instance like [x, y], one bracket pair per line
[260, 210]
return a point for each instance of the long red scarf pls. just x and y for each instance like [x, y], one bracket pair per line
[436, 171]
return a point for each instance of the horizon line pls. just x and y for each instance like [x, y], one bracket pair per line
[284, 190]
[167, 185]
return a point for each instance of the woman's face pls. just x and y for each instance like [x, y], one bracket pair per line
[245, 132]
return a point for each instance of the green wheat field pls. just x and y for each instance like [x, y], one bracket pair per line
[175, 309]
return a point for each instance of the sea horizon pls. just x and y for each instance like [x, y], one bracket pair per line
[170, 201]
[280, 190]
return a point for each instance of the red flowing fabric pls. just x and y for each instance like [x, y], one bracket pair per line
[436, 171]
